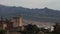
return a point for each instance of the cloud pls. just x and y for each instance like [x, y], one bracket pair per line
[54, 4]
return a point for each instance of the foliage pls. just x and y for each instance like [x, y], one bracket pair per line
[44, 30]
[56, 29]
[31, 29]
[3, 31]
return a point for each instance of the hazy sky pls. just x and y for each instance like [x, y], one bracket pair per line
[53, 4]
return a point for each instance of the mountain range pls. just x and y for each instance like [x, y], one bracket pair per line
[43, 14]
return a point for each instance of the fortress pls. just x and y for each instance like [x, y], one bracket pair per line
[16, 23]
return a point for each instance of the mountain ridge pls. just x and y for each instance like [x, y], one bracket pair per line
[44, 14]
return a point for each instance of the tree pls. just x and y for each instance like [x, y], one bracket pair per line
[44, 30]
[40, 32]
[56, 28]
[3, 31]
[31, 29]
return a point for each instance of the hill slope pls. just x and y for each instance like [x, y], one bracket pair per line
[45, 14]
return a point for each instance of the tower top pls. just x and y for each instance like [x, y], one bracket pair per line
[17, 17]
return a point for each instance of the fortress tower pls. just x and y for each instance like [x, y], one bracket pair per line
[20, 21]
[17, 21]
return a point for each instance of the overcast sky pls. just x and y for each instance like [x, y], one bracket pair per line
[53, 4]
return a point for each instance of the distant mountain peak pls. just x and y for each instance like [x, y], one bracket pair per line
[1, 5]
[46, 8]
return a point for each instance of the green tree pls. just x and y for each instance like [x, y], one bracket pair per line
[3, 31]
[31, 29]
[44, 30]
[56, 28]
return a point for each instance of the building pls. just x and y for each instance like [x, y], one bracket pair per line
[3, 24]
[13, 25]
[17, 21]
